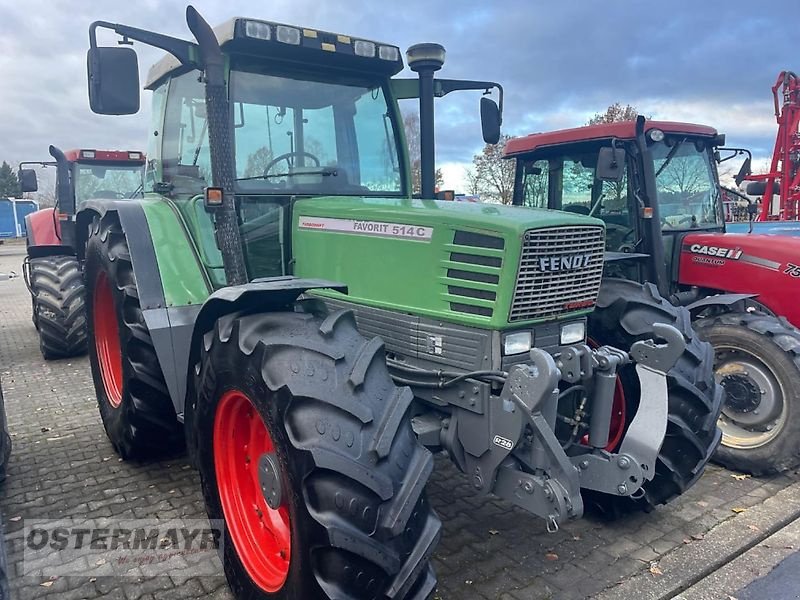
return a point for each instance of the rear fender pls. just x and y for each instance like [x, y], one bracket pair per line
[268, 294]
[169, 319]
[43, 228]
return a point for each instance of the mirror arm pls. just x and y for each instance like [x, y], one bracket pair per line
[181, 49]
[442, 87]
[736, 152]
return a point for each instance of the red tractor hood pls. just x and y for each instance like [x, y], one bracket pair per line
[767, 265]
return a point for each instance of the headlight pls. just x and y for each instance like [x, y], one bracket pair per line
[656, 135]
[517, 343]
[572, 333]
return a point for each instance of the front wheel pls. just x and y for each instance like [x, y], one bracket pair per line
[626, 312]
[757, 361]
[307, 457]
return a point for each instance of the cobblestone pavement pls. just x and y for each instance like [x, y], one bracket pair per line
[63, 466]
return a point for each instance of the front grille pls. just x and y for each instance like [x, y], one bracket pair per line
[559, 272]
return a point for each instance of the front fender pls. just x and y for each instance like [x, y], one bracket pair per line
[720, 300]
[264, 295]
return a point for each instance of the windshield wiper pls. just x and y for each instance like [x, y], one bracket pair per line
[670, 156]
[330, 172]
[136, 192]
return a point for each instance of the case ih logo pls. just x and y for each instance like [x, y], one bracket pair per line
[552, 264]
[719, 252]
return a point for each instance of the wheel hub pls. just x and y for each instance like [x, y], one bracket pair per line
[270, 480]
[754, 411]
[742, 393]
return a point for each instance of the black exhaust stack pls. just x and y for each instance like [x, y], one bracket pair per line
[65, 197]
[219, 141]
[425, 60]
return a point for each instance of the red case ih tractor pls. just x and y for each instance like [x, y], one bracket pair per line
[52, 272]
[656, 187]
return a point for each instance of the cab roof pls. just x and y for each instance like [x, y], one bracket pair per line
[311, 45]
[91, 155]
[624, 130]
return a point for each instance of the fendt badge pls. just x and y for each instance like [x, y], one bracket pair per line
[552, 264]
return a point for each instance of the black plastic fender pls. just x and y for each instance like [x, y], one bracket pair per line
[268, 294]
[722, 300]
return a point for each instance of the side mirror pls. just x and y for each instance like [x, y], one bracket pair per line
[744, 171]
[113, 80]
[610, 164]
[27, 180]
[490, 120]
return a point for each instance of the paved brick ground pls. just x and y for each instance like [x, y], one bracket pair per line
[63, 466]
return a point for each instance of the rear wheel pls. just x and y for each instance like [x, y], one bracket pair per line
[59, 311]
[625, 313]
[307, 457]
[757, 361]
[132, 395]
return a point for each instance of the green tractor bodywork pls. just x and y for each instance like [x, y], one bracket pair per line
[284, 171]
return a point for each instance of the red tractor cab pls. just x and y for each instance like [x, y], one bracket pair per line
[655, 185]
[80, 175]
[52, 269]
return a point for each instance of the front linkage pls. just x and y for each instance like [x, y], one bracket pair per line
[523, 460]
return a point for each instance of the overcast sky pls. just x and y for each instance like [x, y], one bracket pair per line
[560, 61]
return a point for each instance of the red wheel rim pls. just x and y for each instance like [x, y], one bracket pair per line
[106, 339]
[617, 426]
[260, 534]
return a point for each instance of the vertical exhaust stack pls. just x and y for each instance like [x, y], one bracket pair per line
[219, 142]
[425, 60]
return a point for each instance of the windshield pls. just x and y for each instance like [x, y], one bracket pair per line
[686, 185]
[290, 136]
[107, 181]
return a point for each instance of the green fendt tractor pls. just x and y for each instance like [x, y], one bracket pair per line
[279, 303]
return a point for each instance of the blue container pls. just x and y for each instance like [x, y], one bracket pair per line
[24, 208]
[8, 221]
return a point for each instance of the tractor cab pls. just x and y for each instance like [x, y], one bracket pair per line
[304, 114]
[81, 175]
[109, 174]
[651, 187]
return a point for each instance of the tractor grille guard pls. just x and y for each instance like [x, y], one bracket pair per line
[560, 271]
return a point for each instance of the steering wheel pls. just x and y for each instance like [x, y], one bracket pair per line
[620, 231]
[286, 157]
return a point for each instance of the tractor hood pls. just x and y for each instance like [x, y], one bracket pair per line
[478, 264]
[767, 265]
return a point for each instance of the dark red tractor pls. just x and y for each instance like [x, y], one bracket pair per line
[655, 185]
[52, 270]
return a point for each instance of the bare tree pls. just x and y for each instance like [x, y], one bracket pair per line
[473, 183]
[494, 175]
[411, 126]
[614, 114]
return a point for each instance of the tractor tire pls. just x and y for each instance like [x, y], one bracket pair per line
[132, 396]
[625, 313]
[346, 476]
[59, 311]
[758, 363]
